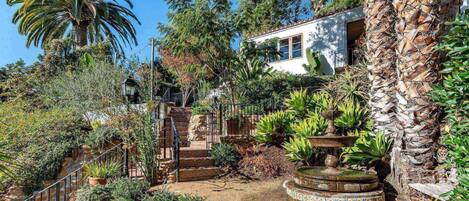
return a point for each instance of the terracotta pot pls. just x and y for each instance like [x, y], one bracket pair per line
[94, 181]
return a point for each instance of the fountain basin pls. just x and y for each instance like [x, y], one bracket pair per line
[332, 141]
[298, 193]
[342, 180]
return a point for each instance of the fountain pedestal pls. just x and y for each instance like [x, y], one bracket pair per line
[330, 182]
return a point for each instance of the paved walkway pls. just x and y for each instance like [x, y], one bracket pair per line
[231, 189]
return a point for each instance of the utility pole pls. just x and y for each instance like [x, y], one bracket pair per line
[152, 66]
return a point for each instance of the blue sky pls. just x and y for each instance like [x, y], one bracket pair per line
[13, 45]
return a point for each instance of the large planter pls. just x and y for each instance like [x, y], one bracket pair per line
[95, 181]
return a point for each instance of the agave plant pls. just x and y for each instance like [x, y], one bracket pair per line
[273, 126]
[299, 103]
[101, 169]
[299, 150]
[314, 125]
[322, 101]
[368, 149]
[353, 115]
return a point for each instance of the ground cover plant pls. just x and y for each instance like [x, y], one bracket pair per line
[453, 95]
[225, 155]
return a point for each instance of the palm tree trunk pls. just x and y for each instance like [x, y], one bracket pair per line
[420, 23]
[81, 34]
[381, 42]
[380, 20]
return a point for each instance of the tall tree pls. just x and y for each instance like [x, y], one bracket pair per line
[87, 21]
[254, 16]
[419, 26]
[381, 52]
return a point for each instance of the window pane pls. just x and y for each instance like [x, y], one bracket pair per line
[284, 53]
[284, 42]
[296, 46]
[284, 49]
[296, 39]
[296, 54]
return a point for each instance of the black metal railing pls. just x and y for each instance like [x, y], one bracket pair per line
[63, 188]
[176, 148]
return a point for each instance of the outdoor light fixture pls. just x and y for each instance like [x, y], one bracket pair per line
[130, 89]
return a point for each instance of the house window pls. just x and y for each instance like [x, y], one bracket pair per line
[296, 47]
[290, 48]
[284, 49]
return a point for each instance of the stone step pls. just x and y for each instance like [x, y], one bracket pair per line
[196, 162]
[194, 153]
[196, 174]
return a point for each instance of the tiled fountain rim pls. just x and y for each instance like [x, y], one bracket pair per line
[302, 194]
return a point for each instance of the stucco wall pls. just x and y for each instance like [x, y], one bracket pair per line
[327, 35]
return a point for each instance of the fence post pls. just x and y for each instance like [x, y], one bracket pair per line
[125, 165]
[220, 119]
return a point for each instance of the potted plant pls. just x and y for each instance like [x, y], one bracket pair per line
[99, 172]
[234, 123]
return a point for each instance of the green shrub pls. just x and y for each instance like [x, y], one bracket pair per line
[368, 149]
[147, 146]
[124, 189]
[93, 193]
[169, 196]
[274, 128]
[312, 126]
[200, 108]
[225, 155]
[271, 91]
[100, 136]
[39, 140]
[453, 95]
[299, 103]
[353, 116]
[101, 169]
[299, 150]
[91, 89]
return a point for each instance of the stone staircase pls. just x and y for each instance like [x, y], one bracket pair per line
[195, 162]
[181, 117]
[195, 165]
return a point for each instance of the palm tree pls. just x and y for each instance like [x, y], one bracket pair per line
[419, 25]
[381, 52]
[381, 42]
[87, 21]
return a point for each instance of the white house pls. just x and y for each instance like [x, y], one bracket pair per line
[333, 36]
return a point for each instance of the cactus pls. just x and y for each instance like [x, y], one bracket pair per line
[314, 64]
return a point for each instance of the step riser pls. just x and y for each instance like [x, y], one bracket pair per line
[197, 162]
[197, 174]
[193, 153]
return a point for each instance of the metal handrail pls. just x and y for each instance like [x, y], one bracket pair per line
[176, 147]
[75, 174]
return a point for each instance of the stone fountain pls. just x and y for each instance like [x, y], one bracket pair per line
[318, 183]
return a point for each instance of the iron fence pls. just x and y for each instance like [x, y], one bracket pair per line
[64, 188]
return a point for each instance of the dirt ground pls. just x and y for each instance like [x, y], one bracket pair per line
[232, 189]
